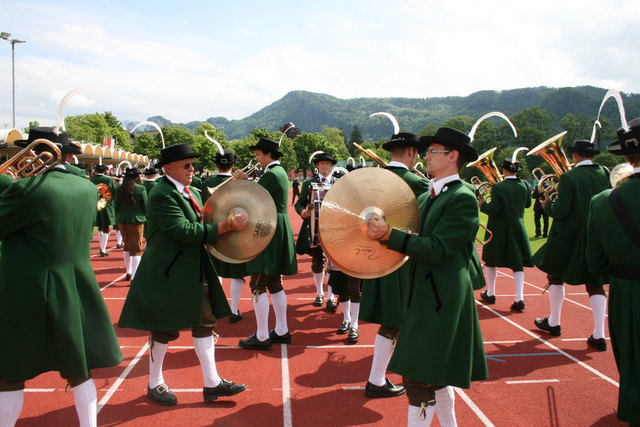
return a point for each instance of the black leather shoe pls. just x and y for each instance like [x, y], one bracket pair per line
[544, 236]
[354, 336]
[486, 298]
[318, 301]
[331, 304]
[599, 344]
[104, 253]
[162, 395]
[235, 318]
[119, 246]
[280, 339]
[225, 388]
[127, 277]
[253, 343]
[387, 390]
[518, 306]
[544, 325]
[344, 328]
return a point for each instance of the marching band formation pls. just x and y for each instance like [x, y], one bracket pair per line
[404, 258]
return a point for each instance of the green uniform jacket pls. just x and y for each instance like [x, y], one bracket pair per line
[383, 299]
[52, 315]
[224, 269]
[279, 257]
[302, 244]
[564, 253]
[166, 294]
[608, 244]
[128, 213]
[148, 185]
[107, 216]
[5, 182]
[510, 244]
[440, 340]
[196, 182]
[76, 170]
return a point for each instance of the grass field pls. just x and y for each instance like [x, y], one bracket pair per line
[535, 242]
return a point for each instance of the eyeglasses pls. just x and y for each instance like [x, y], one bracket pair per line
[433, 151]
[189, 165]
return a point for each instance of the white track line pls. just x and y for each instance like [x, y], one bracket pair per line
[532, 381]
[121, 378]
[473, 407]
[287, 418]
[548, 344]
[111, 283]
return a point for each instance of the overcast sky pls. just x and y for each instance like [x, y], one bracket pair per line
[190, 60]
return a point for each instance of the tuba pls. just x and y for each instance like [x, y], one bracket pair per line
[490, 170]
[552, 152]
[372, 155]
[27, 163]
[620, 173]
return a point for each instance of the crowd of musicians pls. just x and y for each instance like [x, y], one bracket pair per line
[429, 331]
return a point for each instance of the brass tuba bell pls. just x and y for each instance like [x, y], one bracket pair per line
[28, 163]
[552, 152]
[490, 170]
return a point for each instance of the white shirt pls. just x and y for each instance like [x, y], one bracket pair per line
[275, 162]
[511, 177]
[397, 164]
[178, 185]
[636, 170]
[584, 163]
[439, 184]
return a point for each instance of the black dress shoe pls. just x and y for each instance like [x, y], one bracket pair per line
[518, 306]
[599, 343]
[119, 246]
[225, 388]
[162, 395]
[331, 305]
[104, 253]
[387, 390]
[486, 298]
[544, 325]
[235, 318]
[344, 328]
[280, 339]
[354, 336]
[318, 301]
[253, 343]
[127, 277]
[544, 236]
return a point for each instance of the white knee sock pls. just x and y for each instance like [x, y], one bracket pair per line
[104, 239]
[492, 273]
[127, 261]
[445, 407]
[156, 357]
[135, 262]
[205, 350]
[261, 308]
[415, 416]
[118, 237]
[355, 311]
[329, 291]
[382, 351]
[279, 301]
[236, 288]
[10, 407]
[346, 310]
[556, 296]
[86, 401]
[599, 307]
[518, 277]
[318, 278]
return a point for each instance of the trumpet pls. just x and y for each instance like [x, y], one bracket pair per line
[551, 151]
[417, 171]
[490, 170]
[27, 163]
[373, 156]
[249, 169]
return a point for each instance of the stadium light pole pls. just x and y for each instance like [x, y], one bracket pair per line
[13, 42]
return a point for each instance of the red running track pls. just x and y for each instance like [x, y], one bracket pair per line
[318, 380]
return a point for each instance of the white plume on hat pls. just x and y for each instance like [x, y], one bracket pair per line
[486, 116]
[153, 125]
[396, 126]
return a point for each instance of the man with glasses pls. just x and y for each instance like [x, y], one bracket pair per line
[176, 285]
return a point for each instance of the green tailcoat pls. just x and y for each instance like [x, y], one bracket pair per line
[166, 293]
[382, 300]
[52, 315]
[279, 257]
[608, 244]
[5, 182]
[224, 269]
[107, 216]
[148, 185]
[302, 244]
[509, 246]
[196, 182]
[440, 340]
[129, 213]
[76, 170]
[564, 253]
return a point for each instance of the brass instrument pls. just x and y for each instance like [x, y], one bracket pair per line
[551, 151]
[490, 170]
[490, 238]
[249, 169]
[372, 155]
[417, 171]
[105, 195]
[27, 163]
[620, 173]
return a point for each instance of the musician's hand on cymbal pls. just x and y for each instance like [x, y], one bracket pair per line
[237, 221]
[239, 175]
[377, 227]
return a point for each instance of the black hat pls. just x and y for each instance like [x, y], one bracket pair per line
[511, 167]
[628, 141]
[176, 152]
[324, 157]
[150, 171]
[48, 133]
[81, 165]
[584, 147]
[228, 158]
[100, 168]
[404, 139]
[453, 139]
[268, 146]
[131, 172]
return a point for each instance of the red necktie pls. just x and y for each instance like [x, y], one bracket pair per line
[194, 203]
[433, 192]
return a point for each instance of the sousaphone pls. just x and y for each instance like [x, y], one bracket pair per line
[240, 246]
[350, 202]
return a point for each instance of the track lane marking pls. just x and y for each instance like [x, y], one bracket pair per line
[121, 378]
[476, 410]
[287, 418]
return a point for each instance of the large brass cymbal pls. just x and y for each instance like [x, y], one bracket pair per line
[343, 232]
[240, 246]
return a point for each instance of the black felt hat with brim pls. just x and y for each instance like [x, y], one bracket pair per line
[100, 168]
[453, 139]
[176, 152]
[131, 172]
[511, 167]
[628, 141]
[60, 139]
[324, 157]
[404, 139]
[228, 158]
[584, 147]
[150, 171]
[267, 145]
